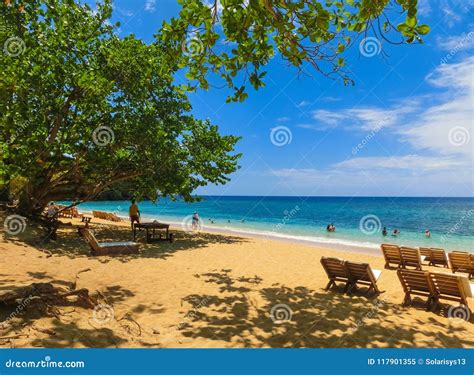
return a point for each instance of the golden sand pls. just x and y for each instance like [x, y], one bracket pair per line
[211, 290]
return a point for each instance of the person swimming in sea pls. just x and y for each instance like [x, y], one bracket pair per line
[395, 233]
[427, 233]
[384, 231]
[331, 228]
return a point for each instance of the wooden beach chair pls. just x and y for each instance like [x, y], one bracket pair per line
[113, 217]
[75, 212]
[451, 287]
[109, 248]
[438, 257]
[391, 253]
[336, 271]
[425, 252]
[361, 273]
[416, 283]
[65, 213]
[411, 257]
[461, 262]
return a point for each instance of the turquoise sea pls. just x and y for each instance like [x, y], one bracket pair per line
[359, 221]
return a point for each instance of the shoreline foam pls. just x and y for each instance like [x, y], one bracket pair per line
[331, 243]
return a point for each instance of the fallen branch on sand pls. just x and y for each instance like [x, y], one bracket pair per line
[74, 284]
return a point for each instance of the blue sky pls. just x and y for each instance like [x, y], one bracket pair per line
[404, 129]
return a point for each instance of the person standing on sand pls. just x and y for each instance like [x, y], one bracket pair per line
[52, 210]
[134, 213]
[195, 223]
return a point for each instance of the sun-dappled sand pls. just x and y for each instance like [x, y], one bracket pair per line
[209, 290]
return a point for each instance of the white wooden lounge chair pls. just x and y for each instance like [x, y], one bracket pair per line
[109, 248]
[361, 273]
[415, 282]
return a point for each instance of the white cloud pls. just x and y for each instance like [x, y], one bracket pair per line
[450, 11]
[439, 128]
[366, 118]
[150, 5]
[447, 127]
[456, 43]
[316, 127]
[306, 103]
[441, 122]
[303, 103]
[328, 117]
[123, 12]
[424, 7]
[406, 162]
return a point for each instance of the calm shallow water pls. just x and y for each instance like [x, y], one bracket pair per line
[359, 221]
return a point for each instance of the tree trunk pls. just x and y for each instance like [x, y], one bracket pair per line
[5, 192]
[29, 203]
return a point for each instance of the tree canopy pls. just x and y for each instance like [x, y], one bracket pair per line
[82, 110]
[235, 39]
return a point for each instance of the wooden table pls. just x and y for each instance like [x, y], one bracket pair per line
[151, 231]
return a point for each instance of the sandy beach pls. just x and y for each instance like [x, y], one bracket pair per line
[210, 290]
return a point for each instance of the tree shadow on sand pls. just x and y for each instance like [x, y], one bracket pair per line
[69, 335]
[301, 317]
[70, 243]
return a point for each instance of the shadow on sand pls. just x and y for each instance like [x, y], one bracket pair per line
[301, 317]
[71, 244]
[283, 316]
